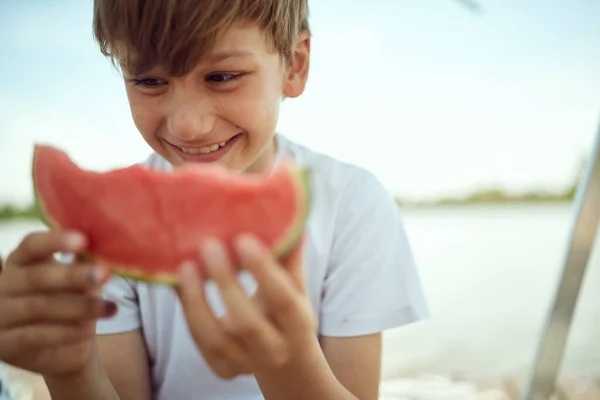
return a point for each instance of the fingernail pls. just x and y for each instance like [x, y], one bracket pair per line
[213, 253]
[110, 308]
[249, 246]
[74, 240]
[95, 275]
[188, 271]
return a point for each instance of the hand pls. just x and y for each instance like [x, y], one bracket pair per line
[48, 311]
[259, 333]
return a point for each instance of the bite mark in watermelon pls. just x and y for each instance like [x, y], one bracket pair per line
[144, 223]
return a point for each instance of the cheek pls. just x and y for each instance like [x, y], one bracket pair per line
[145, 116]
[253, 107]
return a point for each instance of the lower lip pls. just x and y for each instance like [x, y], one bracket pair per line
[210, 157]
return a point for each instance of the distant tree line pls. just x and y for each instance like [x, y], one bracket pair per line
[493, 195]
[9, 212]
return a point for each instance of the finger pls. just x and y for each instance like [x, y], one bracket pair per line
[68, 308]
[39, 246]
[55, 277]
[243, 321]
[225, 369]
[34, 337]
[278, 289]
[208, 334]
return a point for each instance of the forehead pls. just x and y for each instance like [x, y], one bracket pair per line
[238, 41]
[242, 35]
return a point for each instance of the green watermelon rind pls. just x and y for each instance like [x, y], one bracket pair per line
[297, 227]
[288, 241]
[38, 204]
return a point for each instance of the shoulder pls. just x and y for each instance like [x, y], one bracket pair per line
[342, 185]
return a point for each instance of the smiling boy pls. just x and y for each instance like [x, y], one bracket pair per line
[205, 80]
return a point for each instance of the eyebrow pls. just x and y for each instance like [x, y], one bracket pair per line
[211, 58]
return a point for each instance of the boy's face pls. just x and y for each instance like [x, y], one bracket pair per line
[225, 110]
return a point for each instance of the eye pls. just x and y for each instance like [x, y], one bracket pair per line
[223, 78]
[149, 82]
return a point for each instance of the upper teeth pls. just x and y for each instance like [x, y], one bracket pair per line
[203, 150]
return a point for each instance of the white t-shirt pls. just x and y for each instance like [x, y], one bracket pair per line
[358, 266]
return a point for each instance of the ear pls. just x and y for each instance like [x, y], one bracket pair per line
[296, 73]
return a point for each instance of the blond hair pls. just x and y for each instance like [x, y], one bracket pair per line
[138, 35]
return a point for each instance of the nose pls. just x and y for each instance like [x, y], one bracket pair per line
[191, 116]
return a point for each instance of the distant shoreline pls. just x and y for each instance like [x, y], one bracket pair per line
[494, 196]
[466, 204]
[491, 197]
[10, 212]
[482, 197]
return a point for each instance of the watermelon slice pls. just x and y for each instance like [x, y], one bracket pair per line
[144, 223]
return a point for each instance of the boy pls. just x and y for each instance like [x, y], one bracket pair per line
[205, 79]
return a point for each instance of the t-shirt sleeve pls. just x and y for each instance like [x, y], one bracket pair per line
[372, 283]
[123, 292]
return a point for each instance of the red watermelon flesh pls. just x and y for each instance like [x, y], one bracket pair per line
[144, 223]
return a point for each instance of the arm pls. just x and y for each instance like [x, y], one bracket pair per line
[340, 369]
[91, 383]
[119, 370]
[112, 374]
[128, 371]
[356, 363]
[120, 343]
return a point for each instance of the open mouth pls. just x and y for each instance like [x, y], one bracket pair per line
[206, 153]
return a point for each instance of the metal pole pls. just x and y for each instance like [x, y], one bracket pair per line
[542, 377]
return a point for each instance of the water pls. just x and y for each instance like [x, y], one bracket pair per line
[489, 273]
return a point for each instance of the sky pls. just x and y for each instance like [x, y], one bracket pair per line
[433, 98]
